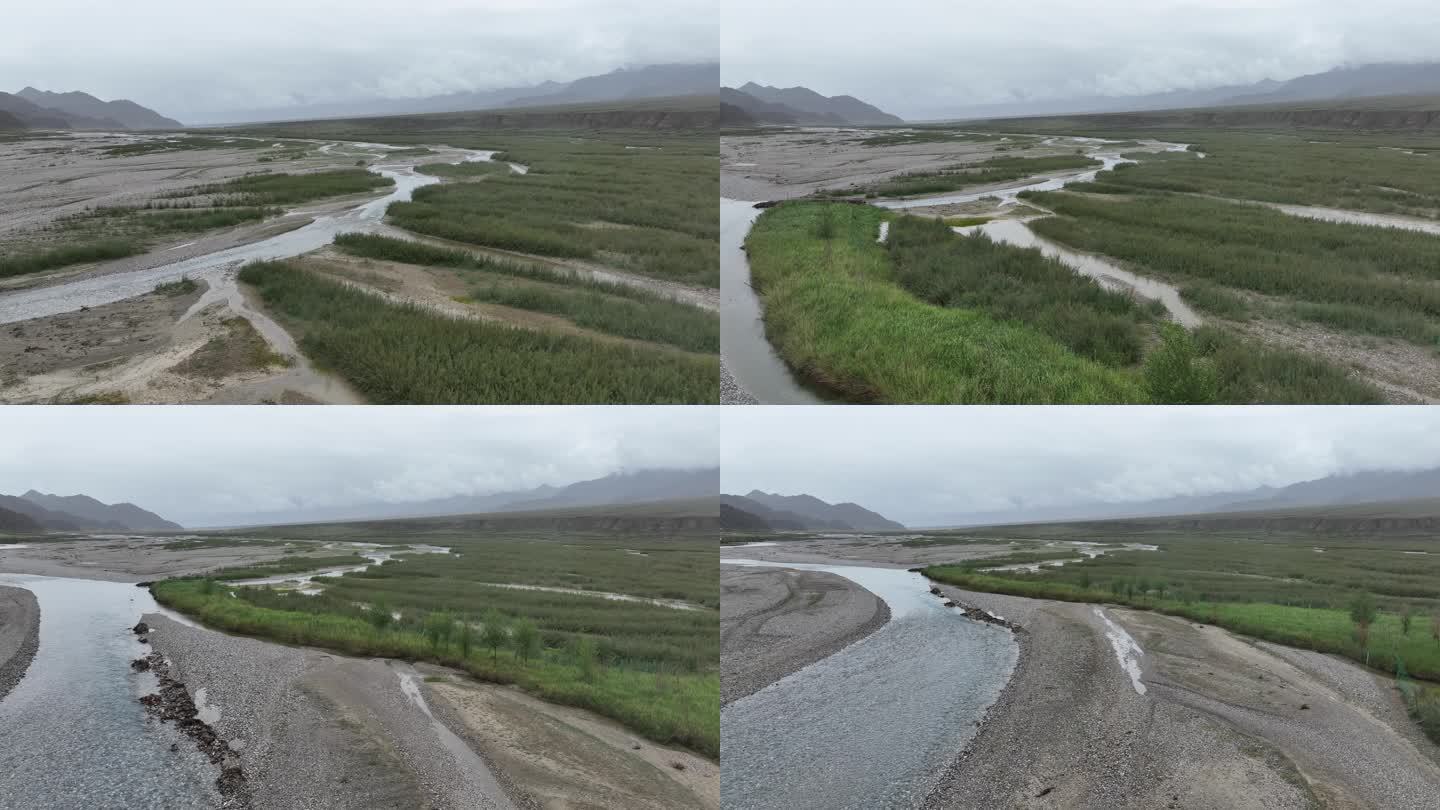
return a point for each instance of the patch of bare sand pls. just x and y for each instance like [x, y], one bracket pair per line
[139, 351]
[796, 162]
[569, 758]
[144, 558]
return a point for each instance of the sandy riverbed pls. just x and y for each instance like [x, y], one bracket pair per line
[19, 635]
[775, 621]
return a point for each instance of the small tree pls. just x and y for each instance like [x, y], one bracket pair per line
[588, 657]
[437, 628]
[1363, 613]
[494, 634]
[526, 638]
[380, 614]
[1176, 374]
[1406, 616]
[465, 637]
[1435, 626]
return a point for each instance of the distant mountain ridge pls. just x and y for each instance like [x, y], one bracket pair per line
[631, 487]
[127, 113]
[649, 81]
[1366, 487]
[801, 105]
[40, 109]
[796, 512]
[1346, 82]
[70, 513]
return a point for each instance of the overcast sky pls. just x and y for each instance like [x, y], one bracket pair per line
[191, 59]
[189, 463]
[925, 59]
[918, 465]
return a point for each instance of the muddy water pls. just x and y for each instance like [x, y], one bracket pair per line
[481, 781]
[1358, 218]
[750, 358]
[872, 725]
[218, 269]
[1016, 232]
[72, 733]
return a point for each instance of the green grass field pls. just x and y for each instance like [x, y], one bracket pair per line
[836, 315]
[402, 354]
[934, 317]
[653, 668]
[614, 309]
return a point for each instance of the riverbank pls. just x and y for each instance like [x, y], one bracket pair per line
[1203, 718]
[19, 635]
[319, 730]
[776, 621]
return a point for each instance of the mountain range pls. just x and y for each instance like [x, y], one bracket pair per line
[758, 511]
[1348, 82]
[650, 81]
[38, 511]
[761, 104]
[41, 109]
[642, 486]
[1369, 487]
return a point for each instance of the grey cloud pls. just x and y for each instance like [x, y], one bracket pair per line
[924, 59]
[922, 464]
[189, 463]
[194, 60]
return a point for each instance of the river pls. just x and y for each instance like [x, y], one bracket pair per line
[73, 733]
[873, 725]
[218, 269]
[750, 358]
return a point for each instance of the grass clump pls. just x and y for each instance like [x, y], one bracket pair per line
[1215, 300]
[288, 189]
[180, 287]
[466, 170]
[402, 354]
[1016, 284]
[657, 320]
[53, 258]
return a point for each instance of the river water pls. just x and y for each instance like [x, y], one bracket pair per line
[874, 724]
[218, 269]
[73, 733]
[751, 359]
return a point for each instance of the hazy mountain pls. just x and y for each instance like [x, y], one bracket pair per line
[644, 486]
[740, 520]
[1360, 81]
[33, 116]
[11, 521]
[9, 120]
[652, 81]
[764, 112]
[845, 109]
[126, 516]
[807, 512]
[1380, 486]
[127, 113]
[749, 511]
